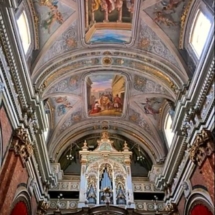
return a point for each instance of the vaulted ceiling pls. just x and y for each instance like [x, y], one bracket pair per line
[94, 47]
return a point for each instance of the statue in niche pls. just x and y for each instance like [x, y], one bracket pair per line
[120, 190]
[91, 190]
[106, 185]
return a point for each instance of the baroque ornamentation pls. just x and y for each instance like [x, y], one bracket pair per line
[43, 206]
[149, 41]
[183, 20]
[22, 144]
[171, 208]
[202, 147]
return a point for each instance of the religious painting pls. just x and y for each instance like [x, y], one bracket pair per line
[105, 94]
[108, 21]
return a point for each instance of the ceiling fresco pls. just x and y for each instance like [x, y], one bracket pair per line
[108, 21]
[108, 64]
[105, 94]
[167, 14]
[52, 14]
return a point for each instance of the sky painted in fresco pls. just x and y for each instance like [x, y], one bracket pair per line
[101, 82]
[111, 36]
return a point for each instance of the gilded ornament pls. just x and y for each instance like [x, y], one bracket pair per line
[106, 61]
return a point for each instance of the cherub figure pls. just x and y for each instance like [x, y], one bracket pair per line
[172, 5]
[163, 19]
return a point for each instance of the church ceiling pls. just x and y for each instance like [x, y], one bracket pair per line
[92, 52]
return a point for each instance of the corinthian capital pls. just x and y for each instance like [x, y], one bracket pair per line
[22, 144]
[202, 147]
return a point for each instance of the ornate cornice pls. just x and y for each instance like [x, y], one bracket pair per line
[202, 147]
[184, 18]
[35, 23]
[5, 41]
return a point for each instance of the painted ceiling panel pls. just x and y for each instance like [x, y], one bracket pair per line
[108, 61]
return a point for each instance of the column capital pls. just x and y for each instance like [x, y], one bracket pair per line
[22, 145]
[202, 147]
[42, 207]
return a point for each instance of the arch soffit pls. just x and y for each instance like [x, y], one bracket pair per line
[144, 64]
[198, 196]
[150, 146]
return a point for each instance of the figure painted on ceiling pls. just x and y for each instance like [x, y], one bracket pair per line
[64, 104]
[95, 108]
[53, 15]
[149, 106]
[117, 103]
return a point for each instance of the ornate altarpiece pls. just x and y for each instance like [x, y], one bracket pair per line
[106, 175]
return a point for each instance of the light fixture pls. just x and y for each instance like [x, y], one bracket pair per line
[60, 196]
[70, 156]
[140, 157]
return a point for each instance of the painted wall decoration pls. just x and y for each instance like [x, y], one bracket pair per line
[105, 94]
[108, 21]
[70, 84]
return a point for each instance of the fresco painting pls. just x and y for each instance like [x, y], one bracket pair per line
[152, 105]
[51, 14]
[63, 104]
[108, 21]
[105, 94]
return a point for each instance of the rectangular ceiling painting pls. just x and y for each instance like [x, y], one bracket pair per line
[108, 21]
[105, 94]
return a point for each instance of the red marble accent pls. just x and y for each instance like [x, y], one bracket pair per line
[11, 176]
[6, 128]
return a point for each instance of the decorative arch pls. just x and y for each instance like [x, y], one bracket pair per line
[199, 201]
[22, 202]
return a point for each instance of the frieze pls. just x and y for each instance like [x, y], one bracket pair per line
[149, 206]
[64, 204]
[67, 185]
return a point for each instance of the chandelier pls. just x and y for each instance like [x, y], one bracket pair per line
[140, 156]
[70, 156]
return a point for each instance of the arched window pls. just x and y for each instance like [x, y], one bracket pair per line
[24, 31]
[168, 129]
[199, 32]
